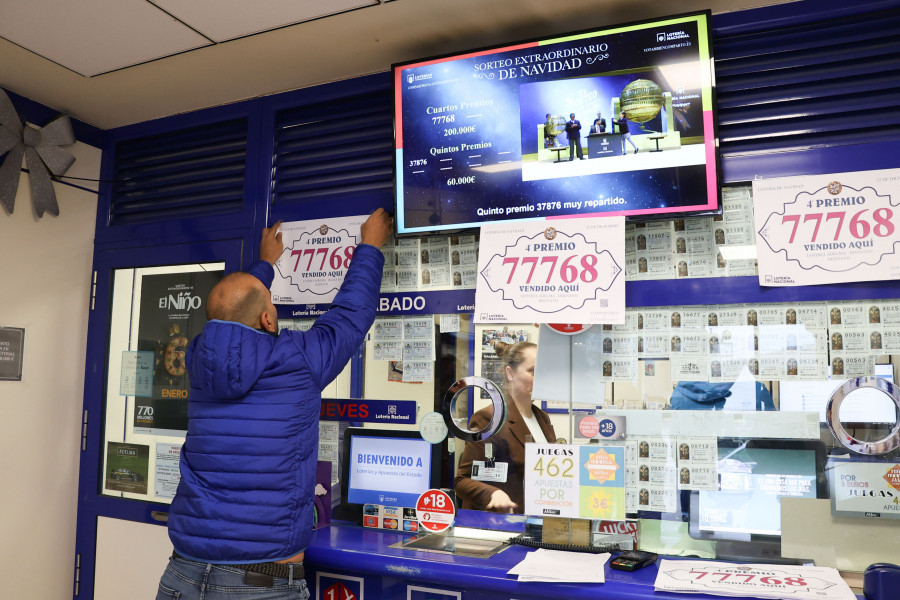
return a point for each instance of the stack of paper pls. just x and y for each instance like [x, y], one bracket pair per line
[560, 566]
[752, 580]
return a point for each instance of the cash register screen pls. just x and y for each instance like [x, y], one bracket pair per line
[754, 476]
[387, 467]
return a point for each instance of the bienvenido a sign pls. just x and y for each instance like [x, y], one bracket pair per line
[552, 271]
[834, 228]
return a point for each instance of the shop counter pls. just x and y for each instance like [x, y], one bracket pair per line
[348, 562]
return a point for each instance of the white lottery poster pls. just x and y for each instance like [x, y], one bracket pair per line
[315, 259]
[752, 580]
[822, 229]
[554, 271]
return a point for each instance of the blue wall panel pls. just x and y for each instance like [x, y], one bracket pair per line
[807, 88]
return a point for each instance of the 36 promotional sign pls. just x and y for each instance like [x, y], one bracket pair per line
[828, 228]
[315, 259]
[554, 270]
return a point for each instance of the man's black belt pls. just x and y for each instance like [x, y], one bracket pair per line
[257, 572]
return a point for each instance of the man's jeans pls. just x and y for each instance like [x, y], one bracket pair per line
[189, 580]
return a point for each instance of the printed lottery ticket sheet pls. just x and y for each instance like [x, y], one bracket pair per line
[559, 566]
[752, 580]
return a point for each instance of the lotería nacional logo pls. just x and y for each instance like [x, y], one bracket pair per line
[834, 188]
[668, 36]
[486, 317]
[323, 229]
[550, 233]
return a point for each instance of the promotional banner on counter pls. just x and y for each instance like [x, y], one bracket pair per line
[865, 489]
[827, 228]
[173, 311]
[586, 481]
[552, 271]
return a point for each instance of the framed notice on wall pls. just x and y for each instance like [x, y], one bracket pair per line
[12, 352]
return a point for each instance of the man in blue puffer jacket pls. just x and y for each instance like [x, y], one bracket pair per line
[243, 513]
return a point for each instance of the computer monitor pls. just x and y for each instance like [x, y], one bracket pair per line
[385, 466]
[862, 406]
[744, 515]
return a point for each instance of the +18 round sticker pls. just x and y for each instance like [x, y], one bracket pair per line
[435, 510]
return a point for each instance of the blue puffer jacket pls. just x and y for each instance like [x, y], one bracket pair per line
[249, 459]
[700, 395]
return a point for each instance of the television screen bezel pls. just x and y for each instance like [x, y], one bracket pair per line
[473, 230]
[817, 446]
[353, 511]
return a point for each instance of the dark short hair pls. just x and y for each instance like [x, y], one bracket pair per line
[571, 114]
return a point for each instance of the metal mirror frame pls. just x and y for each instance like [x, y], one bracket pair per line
[833, 412]
[497, 421]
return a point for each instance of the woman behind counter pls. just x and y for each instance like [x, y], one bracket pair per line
[508, 445]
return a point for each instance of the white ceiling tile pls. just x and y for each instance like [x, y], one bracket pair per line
[95, 36]
[223, 20]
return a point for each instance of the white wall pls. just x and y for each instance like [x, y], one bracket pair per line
[45, 270]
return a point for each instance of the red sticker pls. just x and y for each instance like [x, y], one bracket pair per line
[435, 510]
[568, 328]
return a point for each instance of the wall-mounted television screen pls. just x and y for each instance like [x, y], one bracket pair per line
[612, 121]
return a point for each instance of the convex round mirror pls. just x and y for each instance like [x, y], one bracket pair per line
[864, 415]
[456, 417]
